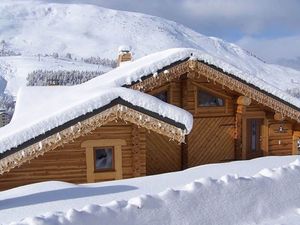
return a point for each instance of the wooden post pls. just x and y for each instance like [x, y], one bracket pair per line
[135, 151]
[244, 101]
[241, 126]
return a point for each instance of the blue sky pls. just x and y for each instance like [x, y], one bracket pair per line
[268, 28]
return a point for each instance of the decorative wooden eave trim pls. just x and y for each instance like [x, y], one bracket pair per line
[259, 96]
[162, 77]
[196, 69]
[85, 127]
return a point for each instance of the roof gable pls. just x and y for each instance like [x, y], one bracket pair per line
[84, 124]
[42, 109]
[272, 79]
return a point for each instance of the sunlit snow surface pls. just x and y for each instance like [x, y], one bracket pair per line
[241, 192]
[37, 27]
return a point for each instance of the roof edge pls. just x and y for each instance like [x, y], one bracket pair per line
[182, 64]
[88, 115]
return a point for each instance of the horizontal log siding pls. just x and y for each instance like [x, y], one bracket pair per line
[68, 163]
[280, 143]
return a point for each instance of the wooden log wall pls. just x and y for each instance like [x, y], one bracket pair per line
[162, 154]
[280, 138]
[212, 137]
[211, 141]
[68, 163]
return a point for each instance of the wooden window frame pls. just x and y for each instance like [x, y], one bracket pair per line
[162, 92]
[264, 136]
[205, 111]
[164, 88]
[91, 174]
[259, 134]
[113, 159]
[199, 90]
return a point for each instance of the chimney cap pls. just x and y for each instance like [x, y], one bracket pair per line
[124, 48]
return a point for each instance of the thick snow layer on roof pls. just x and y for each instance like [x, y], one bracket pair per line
[124, 48]
[271, 78]
[40, 109]
[166, 198]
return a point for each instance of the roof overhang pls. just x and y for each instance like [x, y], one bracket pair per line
[82, 125]
[194, 68]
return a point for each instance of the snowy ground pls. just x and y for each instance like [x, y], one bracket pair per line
[270, 194]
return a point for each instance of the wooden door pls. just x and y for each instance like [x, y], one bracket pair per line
[254, 138]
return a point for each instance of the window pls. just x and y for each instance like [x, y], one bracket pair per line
[104, 158]
[254, 134]
[163, 95]
[206, 99]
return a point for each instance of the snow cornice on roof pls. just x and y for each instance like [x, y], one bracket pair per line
[217, 75]
[82, 125]
[271, 79]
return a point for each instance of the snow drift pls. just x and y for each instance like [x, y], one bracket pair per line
[228, 200]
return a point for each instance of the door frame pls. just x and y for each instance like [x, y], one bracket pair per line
[296, 137]
[263, 135]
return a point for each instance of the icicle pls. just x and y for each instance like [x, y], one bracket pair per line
[40, 145]
[58, 136]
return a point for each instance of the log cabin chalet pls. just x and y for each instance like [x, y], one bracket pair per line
[161, 113]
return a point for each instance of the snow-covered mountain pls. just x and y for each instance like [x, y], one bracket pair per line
[88, 30]
[32, 28]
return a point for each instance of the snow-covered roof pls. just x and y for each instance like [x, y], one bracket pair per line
[40, 109]
[124, 48]
[271, 78]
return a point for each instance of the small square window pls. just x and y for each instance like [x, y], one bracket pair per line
[206, 99]
[163, 95]
[104, 158]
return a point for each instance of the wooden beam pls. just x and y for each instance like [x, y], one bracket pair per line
[243, 100]
[278, 117]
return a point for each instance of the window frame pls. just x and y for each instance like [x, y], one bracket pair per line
[91, 174]
[162, 92]
[199, 90]
[165, 88]
[113, 159]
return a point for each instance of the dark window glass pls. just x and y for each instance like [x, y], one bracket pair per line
[104, 158]
[162, 96]
[207, 99]
[254, 136]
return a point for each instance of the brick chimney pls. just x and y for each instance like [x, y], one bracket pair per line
[124, 54]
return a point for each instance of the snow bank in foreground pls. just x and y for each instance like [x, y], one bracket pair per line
[228, 200]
